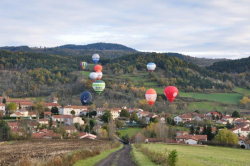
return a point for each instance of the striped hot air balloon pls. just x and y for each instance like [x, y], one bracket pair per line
[151, 96]
[83, 65]
[98, 86]
[151, 66]
[99, 75]
[95, 58]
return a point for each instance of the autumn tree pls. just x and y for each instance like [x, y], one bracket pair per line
[124, 113]
[39, 107]
[133, 117]
[11, 107]
[226, 136]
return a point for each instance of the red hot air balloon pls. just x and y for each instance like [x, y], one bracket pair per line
[98, 67]
[151, 96]
[171, 92]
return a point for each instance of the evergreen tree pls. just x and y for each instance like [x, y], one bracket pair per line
[204, 132]
[210, 135]
[236, 114]
[192, 129]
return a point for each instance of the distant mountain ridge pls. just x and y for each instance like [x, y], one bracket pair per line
[106, 50]
[99, 46]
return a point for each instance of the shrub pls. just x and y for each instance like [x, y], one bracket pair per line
[172, 157]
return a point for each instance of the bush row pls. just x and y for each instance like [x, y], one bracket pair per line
[214, 143]
[159, 158]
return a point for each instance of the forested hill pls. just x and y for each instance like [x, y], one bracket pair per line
[170, 71]
[198, 61]
[232, 66]
[34, 74]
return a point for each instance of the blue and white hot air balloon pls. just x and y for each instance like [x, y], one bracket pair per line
[95, 58]
[151, 66]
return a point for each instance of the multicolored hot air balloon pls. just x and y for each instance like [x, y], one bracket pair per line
[99, 75]
[95, 58]
[151, 96]
[98, 86]
[98, 67]
[86, 97]
[83, 65]
[151, 66]
[93, 76]
[171, 92]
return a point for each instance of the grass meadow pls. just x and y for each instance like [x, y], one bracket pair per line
[229, 98]
[205, 104]
[140, 159]
[130, 131]
[210, 155]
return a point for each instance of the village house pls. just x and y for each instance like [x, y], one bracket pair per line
[67, 119]
[47, 114]
[70, 129]
[228, 118]
[191, 139]
[177, 119]
[150, 116]
[45, 134]
[142, 114]
[43, 121]
[100, 111]
[181, 133]
[66, 110]
[115, 112]
[221, 121]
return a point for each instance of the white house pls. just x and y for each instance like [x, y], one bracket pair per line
[2, 108]
[115, 112]
[221, 121]
[75, 119]
[177, 119]
[43, 121]
[66, 110]
[192, 141]
[100, 111]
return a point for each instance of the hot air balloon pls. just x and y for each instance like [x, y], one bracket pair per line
[151, 96]
[86, 97]
[98, 67]
[93, 76]
[83, 65]
[171, 92]
[98, 86]
[151, 66]
[95, 58]
[99, 75]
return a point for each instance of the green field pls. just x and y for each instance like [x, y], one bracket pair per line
[241, 90]
[230, 98]
[139, 158]
[216, 156]
[130, 131]
[208, 105]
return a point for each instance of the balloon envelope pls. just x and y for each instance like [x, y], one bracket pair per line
[83, 65]
[86, 97]
[95, 58]
[99, 73]
[98, 67]
[98, 86]
[93, 76]
[171, 92]
[151, 66]
[151, 96]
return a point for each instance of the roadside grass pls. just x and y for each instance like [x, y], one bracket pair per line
[210, 155]
[241, 90]
[96, 159]
[130, 131]
[139, 158]
[230, 98]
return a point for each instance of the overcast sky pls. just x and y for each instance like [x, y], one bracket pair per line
[201, 28]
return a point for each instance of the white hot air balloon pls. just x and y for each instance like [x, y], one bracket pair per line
[99, 74]
[93, 76]
[151, 66]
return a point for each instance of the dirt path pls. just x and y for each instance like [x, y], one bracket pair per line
[121, 157]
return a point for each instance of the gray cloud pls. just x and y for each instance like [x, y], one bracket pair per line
[213, 29]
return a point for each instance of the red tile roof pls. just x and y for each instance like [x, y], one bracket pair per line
[51, 104]
[47, 113]
[63, 116]
[1, 104]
